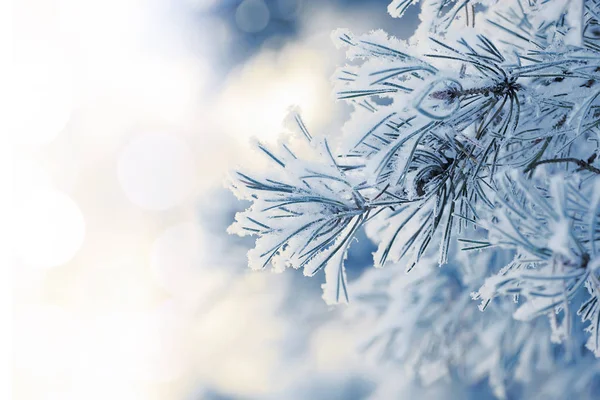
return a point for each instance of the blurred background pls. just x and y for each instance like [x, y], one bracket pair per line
[125, 117]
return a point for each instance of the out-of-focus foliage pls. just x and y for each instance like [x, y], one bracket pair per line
[470, 159]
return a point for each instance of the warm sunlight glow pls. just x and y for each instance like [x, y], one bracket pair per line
[43, 345]
[176, 259]
[256, 103]
[50, 228]
[41, 102]
[157, 171]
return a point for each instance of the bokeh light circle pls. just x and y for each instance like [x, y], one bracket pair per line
[157, 171]
[252, 16]
[42, 102]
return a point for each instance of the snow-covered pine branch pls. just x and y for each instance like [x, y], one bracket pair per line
[478, 135]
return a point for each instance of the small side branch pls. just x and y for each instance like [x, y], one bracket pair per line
[580, 163]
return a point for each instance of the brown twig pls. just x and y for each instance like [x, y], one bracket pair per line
[582, 164]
